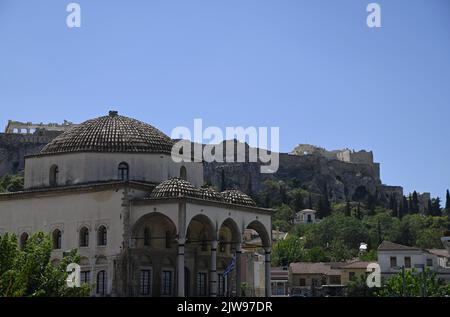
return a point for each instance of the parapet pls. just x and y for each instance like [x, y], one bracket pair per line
[18, 127]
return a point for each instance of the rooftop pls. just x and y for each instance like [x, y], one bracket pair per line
[111, 133]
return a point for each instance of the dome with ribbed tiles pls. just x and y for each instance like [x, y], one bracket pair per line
[175, 187]
[234, 196]
[112, 133]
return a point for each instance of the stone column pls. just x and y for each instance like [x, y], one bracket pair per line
[238, 269]
[180, 267]
[213, 272]
[267, 279]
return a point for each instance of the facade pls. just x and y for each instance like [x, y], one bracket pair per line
[305, 216]
[392, 257]
[141, 222]
[319, 279]
[280, 281]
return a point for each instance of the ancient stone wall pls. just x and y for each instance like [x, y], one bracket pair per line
[14, 147]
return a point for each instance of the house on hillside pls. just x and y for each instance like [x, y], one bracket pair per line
[392, 257]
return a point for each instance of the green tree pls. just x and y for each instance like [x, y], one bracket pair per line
[11, 183]
[357, 287]
[447, 201]
[436, 207]
[297, 200]
[411, 283]
[348, 209]
[288, 251]
[283, 218]
[29, 272]
[415, 202]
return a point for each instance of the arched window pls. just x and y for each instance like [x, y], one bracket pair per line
[147, 236]
[53, 178]
[84, 237]
[23, 240]
[124, 171]
[101, 283]
[102, 235]
[57, 237]
[183, 173]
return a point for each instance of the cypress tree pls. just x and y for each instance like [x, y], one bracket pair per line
[447, 201]
[348, 209]
[415, 202]
[310, 206]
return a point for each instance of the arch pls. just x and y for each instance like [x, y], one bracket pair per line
[147, 236]
[360, 193]
[200, 231]
[102, 236]
[23, 240]
[57, 239]
[84, 261]
[183, 173]
[84, 237]
[101, 260]
[53, 175]
[229, 235]
[265, 236]
[155, 227]
[123, 171]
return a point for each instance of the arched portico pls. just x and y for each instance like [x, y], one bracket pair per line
[266, 243]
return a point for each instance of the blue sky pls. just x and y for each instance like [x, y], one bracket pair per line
[312, 68]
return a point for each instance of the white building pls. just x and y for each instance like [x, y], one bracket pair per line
[305, 216]
[392, 257]
[141, 222]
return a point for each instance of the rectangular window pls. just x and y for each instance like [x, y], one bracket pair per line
[146, 282]
[393, 261]
[101, 283]
[85, 277]
[407, 262]
[351, 275]
[302, 282]
[221, 285]
[335, 279]
[201, 284]
[429, 262]
[167, 283]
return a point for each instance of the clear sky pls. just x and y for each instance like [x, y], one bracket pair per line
[312, 68]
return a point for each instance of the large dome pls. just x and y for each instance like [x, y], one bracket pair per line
[112, 133]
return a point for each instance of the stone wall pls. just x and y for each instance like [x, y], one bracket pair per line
[14, 147]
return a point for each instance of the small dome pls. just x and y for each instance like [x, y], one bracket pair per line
[237, 197]
[111, 133]
[175, 187]
[209, 193]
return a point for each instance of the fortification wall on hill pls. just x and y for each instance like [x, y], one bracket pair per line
[14, 147]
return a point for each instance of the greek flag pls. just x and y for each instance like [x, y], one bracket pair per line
[230, 267]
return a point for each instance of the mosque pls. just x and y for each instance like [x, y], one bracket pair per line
[144, 224]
